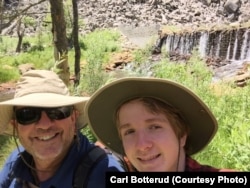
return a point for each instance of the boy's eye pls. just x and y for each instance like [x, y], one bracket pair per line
[127, 132]
[155, 127]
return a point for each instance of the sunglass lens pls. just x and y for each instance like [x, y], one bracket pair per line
[30, 115]
[59, 113]
[27, 115]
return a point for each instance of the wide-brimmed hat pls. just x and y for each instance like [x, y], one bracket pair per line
[101, 109]
[40, 88]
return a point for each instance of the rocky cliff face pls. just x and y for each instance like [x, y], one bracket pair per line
[135, 13]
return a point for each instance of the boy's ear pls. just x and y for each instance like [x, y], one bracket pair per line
[183, 140]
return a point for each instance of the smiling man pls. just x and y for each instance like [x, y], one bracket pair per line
[47, 121]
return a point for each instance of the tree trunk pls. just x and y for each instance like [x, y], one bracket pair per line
[60, 40]
[1, 14]
[20, 34]
[76, 42]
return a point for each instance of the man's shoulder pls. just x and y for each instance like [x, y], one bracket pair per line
[10, 167]
[13, 156]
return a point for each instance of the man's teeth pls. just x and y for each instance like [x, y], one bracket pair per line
[46, 137]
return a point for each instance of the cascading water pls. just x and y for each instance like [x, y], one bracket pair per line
[231, 48]
[225, 45]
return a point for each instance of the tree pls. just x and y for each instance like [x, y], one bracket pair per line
[76, 42]
[60, 40]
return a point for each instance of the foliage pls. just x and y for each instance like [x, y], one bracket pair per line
[29, 21]
[232, 140]
[7, 74]
[6, 146]
[7, 45]
[141, 55]
[97, 48]
[87, 132]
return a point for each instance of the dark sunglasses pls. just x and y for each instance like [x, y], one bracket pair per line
[29, 115]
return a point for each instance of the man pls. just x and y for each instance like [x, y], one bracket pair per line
[157, 124]
[47, 120]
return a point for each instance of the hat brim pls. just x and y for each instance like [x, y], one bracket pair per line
[41, 100]
[101, 109]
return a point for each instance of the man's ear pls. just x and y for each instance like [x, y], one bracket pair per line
[12, 122]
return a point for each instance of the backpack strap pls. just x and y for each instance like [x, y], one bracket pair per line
[86, 165]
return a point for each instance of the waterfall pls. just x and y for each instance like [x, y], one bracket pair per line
[227, 45]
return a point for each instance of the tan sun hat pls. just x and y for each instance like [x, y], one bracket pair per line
[40, 88]
[101, 109]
